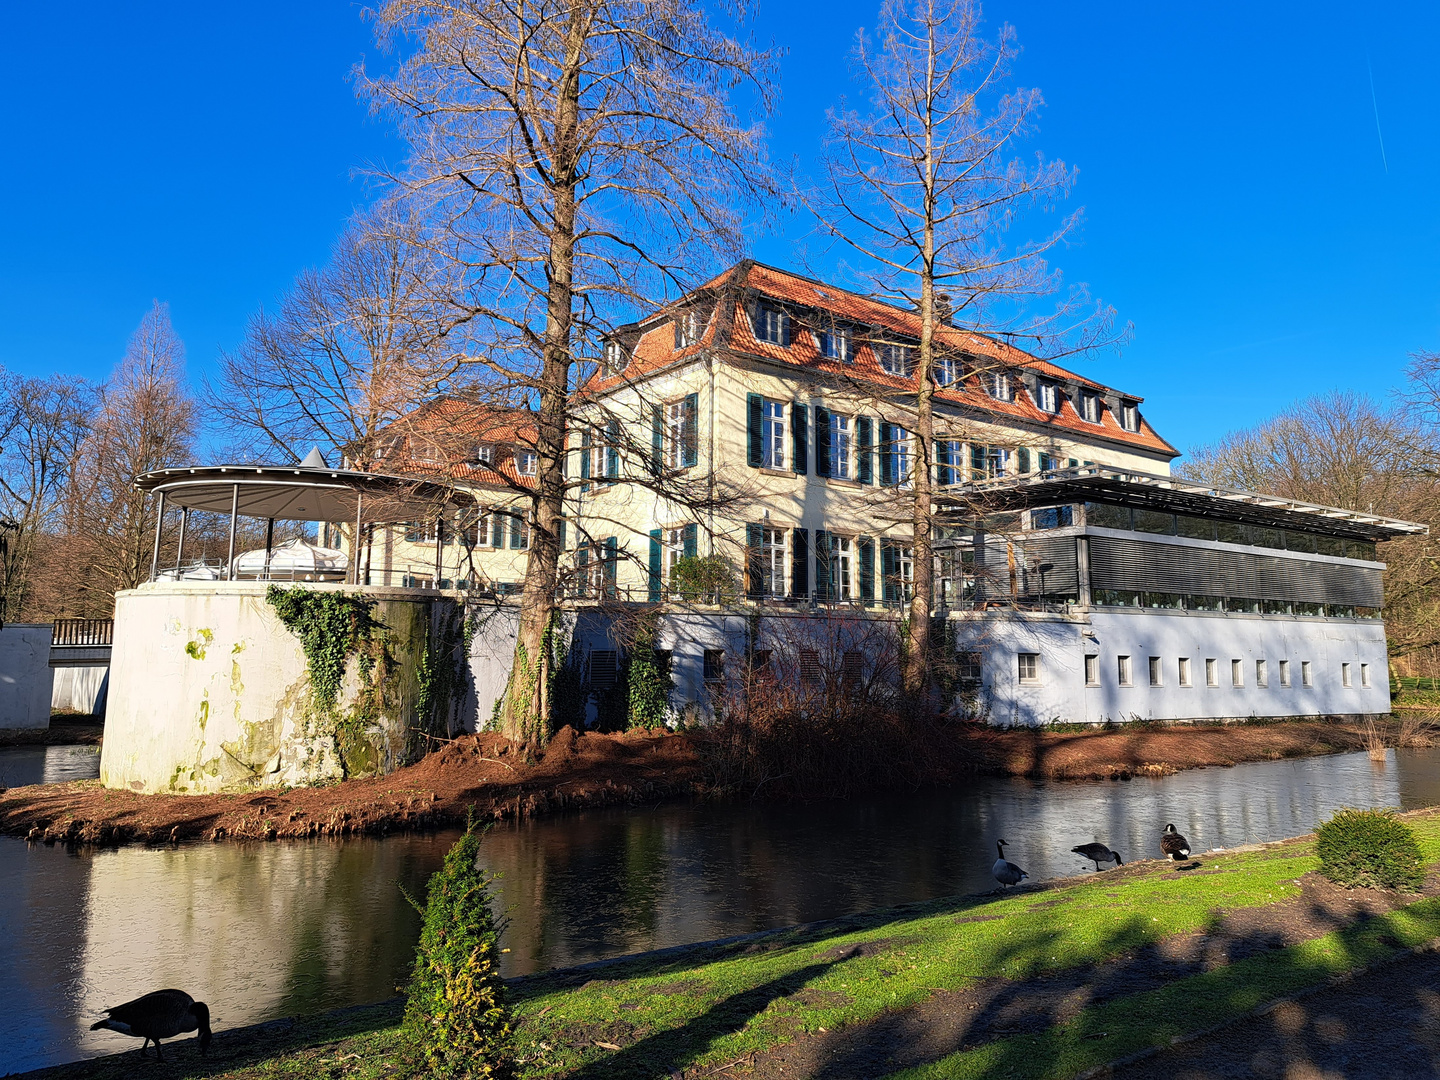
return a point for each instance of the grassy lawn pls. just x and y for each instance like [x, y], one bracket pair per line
[713, 1006]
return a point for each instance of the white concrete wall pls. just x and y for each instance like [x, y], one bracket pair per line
[25, 675]
[80, 689]
[209, 691]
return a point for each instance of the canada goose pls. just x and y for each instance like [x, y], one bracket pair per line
[161, 1015]
[1173, 844]
[1098, 853]
[1006, 872]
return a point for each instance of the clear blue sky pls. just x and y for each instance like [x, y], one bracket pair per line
[1238, 208]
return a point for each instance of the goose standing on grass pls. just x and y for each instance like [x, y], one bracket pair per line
[1173, 844]
[1098, 853]
[160, 1015]
[1006, 872]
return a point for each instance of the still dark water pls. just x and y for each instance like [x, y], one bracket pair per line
[22, 765]
[266, 930]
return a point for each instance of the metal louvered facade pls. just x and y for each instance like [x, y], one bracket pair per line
[1058, 553]
[1146, 566]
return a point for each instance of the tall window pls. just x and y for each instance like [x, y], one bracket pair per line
[950, 457]
[525, 462]
[840, 434]
[687, 329]
[676, 434]
[1262, 673]
[1155, 672]
[1049, 397]
[1029, 667]
[947, 369]
[772, 435]
[614, 358]
[1212, 672]
[899, 456]
[1345, 675]
[1307, 674]
[673, 552]
[771, 325]
[1123, 670]
[1284, 672]
[1130, 416]
[997, 385]
[895, 359]
[772, 561]
[842, 585]
[1089, 407]
[1092, 669]
[1183, 670]
[997, 461]
[834, 343]
[1365, 676]
[1237, 673]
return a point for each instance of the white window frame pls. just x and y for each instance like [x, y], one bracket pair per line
[1212, 671]
[773, 549]
[1030, 660]
[835, 343]
[772, 433]
[614, 358]
[1124, 675]
[772, 325]
[674, 434]
[842, 438]
[672, 550]
[1345, 675]
[999, 385]
[527, 462]
[1048, 396]
[1182, 671]
[895, 359]
[841, 557]
[1237, 674]
[484, 453]
[688, 332]
[1307, 674]
[1092, 669]
[900, 455]
[1089, 407]
[955, 456]
[997, 462]
[1365, 676]
[1130, 415]
[1285, 674]
[1262, 674]
[948, 370]
[1157, 671]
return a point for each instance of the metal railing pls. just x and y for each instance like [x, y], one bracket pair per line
[83, 633]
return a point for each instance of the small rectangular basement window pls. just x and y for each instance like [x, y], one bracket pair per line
[603, 668]
[1092, 670]
[1262, 673]
[1123, 666]
[1237, 673]
[1307, 676]
[810, 665]
[1345, 675]
[1155, 674]
[1212, 672]
[1365, 675]
[1183, 670]
[714, 665]
[1029, 667]
[1285, 673]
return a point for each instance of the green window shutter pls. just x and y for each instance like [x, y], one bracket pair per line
[692, 541]
[866, 548]
[586, 441]
[944, 456]
[691, 446]
[497, 530]
[754, 411]
[785, 329]
[822, 565]
[977, 462]
[562, 534]
[755, 567]
[800, 564]
[887, 454]
[863, 432]
[1073, 462]
[654, 592]
[822, 445]
[582, 566]
[612, 450]
[657, 438]
[515, 532]
[1023, 456]
[890, 590]
[612, 563]
[799, 438]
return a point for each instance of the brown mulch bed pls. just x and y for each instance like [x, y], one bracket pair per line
[998, 1008]
[502, 779]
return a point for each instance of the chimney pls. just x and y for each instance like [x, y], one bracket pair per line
[944, 309]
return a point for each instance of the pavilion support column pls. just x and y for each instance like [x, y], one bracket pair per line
[369, 550]
[355, 547]
[269, 543]
[234, 514]
[155, 555]
[439, 548]
[180, 547]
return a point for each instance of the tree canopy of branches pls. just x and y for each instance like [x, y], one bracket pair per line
[353, 347]
[922, 187]
[573, 161]
[145, 420]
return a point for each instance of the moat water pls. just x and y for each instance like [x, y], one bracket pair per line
[269, 930]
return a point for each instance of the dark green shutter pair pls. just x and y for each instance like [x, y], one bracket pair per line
[754, 560]
[822, 565]
[889, 572]
[887, 454]
[865, 465]
[822, 448]
[800, 564]
[865, 549]
[755, 428]
[612, 561]
[612, 449]
[689, 435]
[654, 591]
[586, 441]
[1022, 457]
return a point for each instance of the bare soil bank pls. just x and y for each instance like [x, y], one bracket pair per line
[66, 729]
[500, 779]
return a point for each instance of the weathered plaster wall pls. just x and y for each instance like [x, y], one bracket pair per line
[25, 675]
[210, 692]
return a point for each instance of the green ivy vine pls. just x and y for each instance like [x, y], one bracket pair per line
[331, 626]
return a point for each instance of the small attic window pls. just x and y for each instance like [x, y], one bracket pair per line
[687, 329]
[614, 357]
[485, 454]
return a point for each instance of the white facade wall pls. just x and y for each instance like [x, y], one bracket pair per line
[25, 675]
[80, 689]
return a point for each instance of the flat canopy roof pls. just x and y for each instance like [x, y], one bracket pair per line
[1102, 483]
[302, 493]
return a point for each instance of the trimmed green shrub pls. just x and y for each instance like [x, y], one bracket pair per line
[1370, 849]
[457, 1017]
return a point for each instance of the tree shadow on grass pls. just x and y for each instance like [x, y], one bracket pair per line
[670, 1051]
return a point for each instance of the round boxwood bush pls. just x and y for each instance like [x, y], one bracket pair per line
[1370, 849]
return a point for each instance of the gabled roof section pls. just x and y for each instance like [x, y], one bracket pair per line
[440, 439]
[726, 303]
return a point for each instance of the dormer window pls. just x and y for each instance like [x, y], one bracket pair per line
[484, 454]
[614, 358]
[687, 329]
[1129, 416]
[895, 359]
[1047, 396]
[1089, 407]
[772, 325]
[834, 343]
[997, 385]
[525, 461]
[947, 369]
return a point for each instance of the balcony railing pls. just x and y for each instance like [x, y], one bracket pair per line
[83, 633]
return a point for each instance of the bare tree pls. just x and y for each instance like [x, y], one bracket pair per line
[353, 347]
[922, 186]
[572, 160]
[145, 420]
[42, 423]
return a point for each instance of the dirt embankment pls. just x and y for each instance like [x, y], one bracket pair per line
[500, 779]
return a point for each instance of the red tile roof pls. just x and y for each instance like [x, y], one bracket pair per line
[439, 440]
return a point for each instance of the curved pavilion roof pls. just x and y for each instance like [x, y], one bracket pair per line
[302, 493]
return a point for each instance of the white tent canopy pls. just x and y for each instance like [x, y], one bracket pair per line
[296, 560]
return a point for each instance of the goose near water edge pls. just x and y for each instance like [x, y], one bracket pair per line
[1006, 872]
[162, 1014]
[1098, 853]
[1173, 844]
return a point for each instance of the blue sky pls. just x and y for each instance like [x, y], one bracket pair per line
[1238, 207]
